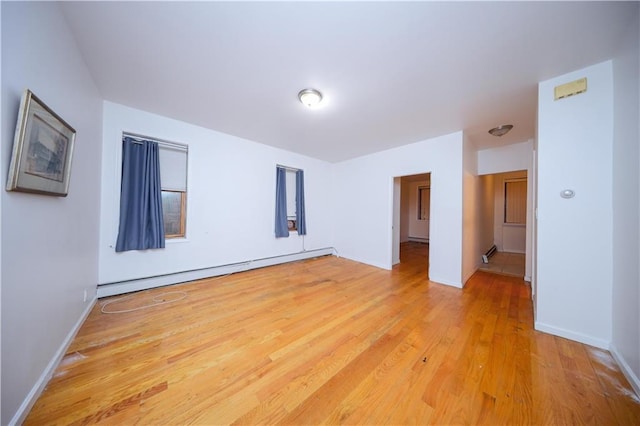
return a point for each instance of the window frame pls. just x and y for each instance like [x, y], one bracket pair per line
[506, 214]
[182, 221]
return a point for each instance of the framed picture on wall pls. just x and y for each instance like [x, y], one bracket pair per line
[42, 150]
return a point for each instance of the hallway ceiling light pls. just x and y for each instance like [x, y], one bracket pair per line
[310, 97]
[501, 130]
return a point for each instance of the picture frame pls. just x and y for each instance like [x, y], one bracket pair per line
[42, 150]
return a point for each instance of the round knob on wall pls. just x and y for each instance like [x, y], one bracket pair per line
[567, 193]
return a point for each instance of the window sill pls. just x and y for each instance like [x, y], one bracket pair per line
[176, 240]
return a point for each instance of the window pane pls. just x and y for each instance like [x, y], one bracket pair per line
[173, 209]
[424, 200]
[515, 202]
[291, 194]
[173, 168]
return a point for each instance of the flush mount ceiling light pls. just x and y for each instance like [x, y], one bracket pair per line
[501, 130]
[310, 97]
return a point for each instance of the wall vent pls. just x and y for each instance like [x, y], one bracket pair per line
[489, 253]
[570, 89]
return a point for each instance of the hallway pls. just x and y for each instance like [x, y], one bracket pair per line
[505, 263]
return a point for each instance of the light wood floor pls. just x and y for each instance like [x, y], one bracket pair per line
[506, 263]
[328, 341]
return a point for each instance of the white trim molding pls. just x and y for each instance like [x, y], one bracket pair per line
[572, 335]
[634, 381]
[112, 289]
[33, 395]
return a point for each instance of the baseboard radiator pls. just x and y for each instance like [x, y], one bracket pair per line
[115, 288]
[489, 253]
[418, 240]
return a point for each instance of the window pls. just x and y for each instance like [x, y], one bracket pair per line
[424, 200]
[290, 211]
[515, 201]
[292, 224]
[173, 213]
[173, 180]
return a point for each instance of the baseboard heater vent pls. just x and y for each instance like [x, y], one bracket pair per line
[489, 253]
[128, 286]
[418, 240]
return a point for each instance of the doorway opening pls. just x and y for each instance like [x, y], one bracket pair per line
[412, 196]
[503, 214]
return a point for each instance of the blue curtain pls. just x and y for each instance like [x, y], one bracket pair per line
[301, 220]
[282, 230]
[141, 222]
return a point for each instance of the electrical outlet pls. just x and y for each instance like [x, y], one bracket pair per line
[85, 296]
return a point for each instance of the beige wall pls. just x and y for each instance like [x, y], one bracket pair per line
[486, 210]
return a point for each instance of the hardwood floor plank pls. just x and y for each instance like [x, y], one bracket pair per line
[315, 408]
[330, 341]
[615, 388]
[357, 406]
[122, 405]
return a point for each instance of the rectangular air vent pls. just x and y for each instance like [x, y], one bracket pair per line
[570, 89]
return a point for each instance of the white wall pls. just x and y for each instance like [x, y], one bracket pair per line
[626, 205]
[230, 199]
[471, 217]
[574, 256]
[50, 244]
[364, 189]
[507, 158]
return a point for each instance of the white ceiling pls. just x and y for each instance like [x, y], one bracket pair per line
[392, 73]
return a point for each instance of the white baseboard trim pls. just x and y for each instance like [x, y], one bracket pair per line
[46, 375]
[445, 282]
[626, 370]
[112, 289]
[387, 267]
[572, 335]
[418, 240]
